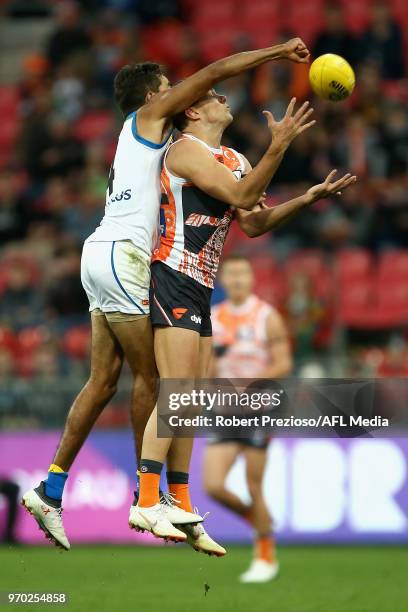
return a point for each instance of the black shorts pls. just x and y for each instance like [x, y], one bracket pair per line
[176, 300]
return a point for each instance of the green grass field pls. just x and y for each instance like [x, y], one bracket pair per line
[324, 579]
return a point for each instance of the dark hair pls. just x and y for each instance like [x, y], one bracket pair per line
[180, 121]
[133, 82]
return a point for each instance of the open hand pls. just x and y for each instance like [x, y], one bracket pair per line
[284, 131]
[328, 188]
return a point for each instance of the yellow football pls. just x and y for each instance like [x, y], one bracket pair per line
[332, 77]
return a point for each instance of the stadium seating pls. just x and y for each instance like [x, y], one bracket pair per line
[76, 342]
[353, 263]
[94, 125]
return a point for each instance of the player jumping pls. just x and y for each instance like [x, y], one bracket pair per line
[203, 196]
[250, 341]
[116, 268]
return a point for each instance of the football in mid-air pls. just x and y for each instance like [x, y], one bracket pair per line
[332, 77]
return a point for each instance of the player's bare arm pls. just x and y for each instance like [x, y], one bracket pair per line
[259, 221]
[155, 115]
[192, 161]
[172, 101]
[281, 362]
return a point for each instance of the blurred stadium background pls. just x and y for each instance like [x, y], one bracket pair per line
[339, 272]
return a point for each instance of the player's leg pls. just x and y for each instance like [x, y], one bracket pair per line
[177, 352]
[179, 466]
[44, 502]
[135, 337]
[180, 450]
[264, 566]
[219, 457]
[106, 365]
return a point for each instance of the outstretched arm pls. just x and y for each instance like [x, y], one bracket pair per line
[192, 161]
[257, 222]
[168, 103]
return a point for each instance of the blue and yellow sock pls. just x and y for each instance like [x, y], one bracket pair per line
[55, 482]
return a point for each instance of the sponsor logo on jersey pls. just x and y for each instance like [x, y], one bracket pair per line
[118, 197]
[198, 220]
[162, 223]
[145, 302]
[196, 319]
[179, 312]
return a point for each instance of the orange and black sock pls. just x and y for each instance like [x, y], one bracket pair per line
[265, 548]
[149, 482]
[178, 487]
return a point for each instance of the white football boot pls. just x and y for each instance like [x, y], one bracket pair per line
[175, 514]
[199, 539]
[260, 571]
[48, 517]
[154, 520]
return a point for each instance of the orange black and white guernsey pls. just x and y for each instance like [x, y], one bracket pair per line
[193, 229]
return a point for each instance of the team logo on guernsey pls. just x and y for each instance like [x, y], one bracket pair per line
[179, 312]
[197, 220]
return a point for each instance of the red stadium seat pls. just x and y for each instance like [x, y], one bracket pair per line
[270, 285]
[357, 14]
[261, 14]
[9, 100]
[8, 340]
[311, 262]
[304, 18]
[393, 265]
[353, 263]
[392, 301]
[163, 42]
[8, 134]
[76, 342]
[356, 301]
[209, 15]
[400, 11]
[20, 261]
[30, 339]
[94, 125]
[261, 36]
[217, 43]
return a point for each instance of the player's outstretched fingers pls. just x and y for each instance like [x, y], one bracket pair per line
[301, 111]
[329, 177]
[345, 182]
[290, 108]
[340, 182]
[269, 117]
[305, 116]
[305, 127]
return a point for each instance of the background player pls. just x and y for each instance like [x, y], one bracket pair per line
[250, 341]
[116, 261]
[200, 181]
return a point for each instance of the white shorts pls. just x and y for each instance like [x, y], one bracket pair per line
[116, 277]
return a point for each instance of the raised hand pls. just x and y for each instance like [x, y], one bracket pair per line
[284, 131]
[295, 50]
[329, 188]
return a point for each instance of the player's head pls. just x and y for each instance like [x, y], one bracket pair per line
[210, 110]
[136, 84]
[237, 278]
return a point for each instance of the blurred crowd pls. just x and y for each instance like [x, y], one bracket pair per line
[60, 128]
